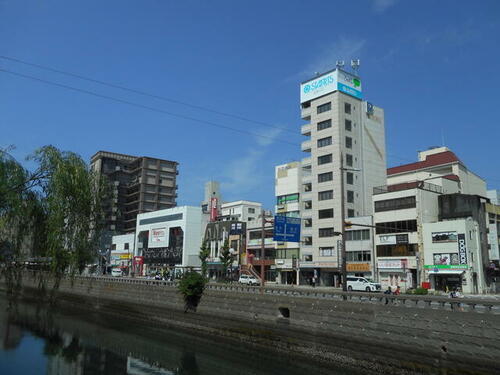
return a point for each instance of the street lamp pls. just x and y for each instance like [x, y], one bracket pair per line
[342, 208]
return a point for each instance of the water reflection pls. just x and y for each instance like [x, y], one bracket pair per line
[83, 342]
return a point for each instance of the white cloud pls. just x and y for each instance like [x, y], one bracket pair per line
[269, 135]
[343, 48]
[245, 173]
[380, 6]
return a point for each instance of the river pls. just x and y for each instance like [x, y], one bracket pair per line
[38, 340]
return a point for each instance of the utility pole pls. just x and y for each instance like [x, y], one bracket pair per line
[262, 248]
[342, 216]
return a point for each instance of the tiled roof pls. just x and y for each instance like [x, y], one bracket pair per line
[430, 161]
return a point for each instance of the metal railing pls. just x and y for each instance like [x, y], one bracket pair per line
[407, 186]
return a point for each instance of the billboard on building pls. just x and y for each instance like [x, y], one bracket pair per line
[213, 209]
[159, 235]
[327, 83]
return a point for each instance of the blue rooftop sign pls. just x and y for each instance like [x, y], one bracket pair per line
[286, 229]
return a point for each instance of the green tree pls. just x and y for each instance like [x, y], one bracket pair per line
[55, 212]
[226, 257]
[204, 254]
[192, 285]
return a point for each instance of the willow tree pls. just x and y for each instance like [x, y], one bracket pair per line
[73, 198]
[57, 211]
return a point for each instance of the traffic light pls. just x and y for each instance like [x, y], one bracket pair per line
[347, 224]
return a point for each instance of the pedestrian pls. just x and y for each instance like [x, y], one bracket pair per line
[397, 292]
[388, 291]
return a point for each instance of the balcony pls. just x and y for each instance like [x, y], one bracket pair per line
[257, 242]
[306, 129]
[306, 146]
[306, 162]
[306, 196]
[305, 113]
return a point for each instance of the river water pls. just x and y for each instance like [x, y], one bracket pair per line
[37, 340]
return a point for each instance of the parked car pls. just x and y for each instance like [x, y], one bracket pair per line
[116, 272]
[248, 280]
[362, 284]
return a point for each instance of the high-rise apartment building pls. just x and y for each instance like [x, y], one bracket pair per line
[340, 126]
[139, 185]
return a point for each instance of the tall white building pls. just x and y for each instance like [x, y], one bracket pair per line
[340, 126]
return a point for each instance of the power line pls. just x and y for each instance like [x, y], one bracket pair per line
[143, 93]
[122, 101]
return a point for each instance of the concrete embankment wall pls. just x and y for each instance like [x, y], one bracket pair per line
[366, 333]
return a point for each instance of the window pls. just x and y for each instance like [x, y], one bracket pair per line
[324, 107]
[395, 204]
[350, 213]
[396, 226]
[325, 195]
[348, 142]
[324, 124]
[251, 210]
[326, 232]
[326, 213]
[350, 178]
[126, 246]
[308, 258]
[398, 250]
[444, 236]
[323, 177]
[350, 196]
[348, 125]
[347, 108]
[348, 160]
[324, 159]
[357, 235]
[326, 251]
[324, 141]
[283, 199]
[359, 256]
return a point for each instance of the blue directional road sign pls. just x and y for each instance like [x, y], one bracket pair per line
[286, 229]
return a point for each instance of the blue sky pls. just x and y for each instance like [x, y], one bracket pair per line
[433, 67]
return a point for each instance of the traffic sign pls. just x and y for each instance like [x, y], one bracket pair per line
[286, 229]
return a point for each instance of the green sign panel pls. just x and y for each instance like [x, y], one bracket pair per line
[446, 266]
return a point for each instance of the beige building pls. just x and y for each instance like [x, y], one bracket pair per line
[340, 126]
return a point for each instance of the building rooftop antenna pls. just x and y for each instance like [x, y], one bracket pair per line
[340, 64]
[355, 65]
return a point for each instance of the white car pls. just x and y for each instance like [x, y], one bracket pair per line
[248, 280]
[362, 284]
[116, 272]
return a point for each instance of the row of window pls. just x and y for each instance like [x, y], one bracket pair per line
[322, 125]
[328, 106]
[395, 204]
[359, 256]
[289, 198]
[327, 141]
[357, 235]
[396, 226]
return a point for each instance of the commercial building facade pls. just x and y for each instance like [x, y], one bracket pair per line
[139, 184]
[168, 238]
[288, 192]
[343, 130]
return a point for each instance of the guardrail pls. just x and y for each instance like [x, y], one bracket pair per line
[479, 305]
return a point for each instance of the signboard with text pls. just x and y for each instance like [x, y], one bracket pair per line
[286, 229]
[159, 235]
[337, 80]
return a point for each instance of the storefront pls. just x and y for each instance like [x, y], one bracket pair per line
[397, 272]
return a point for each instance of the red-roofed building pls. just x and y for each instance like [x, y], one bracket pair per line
[439, 166]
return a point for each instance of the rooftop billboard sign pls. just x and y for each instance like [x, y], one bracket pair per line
[337, 80]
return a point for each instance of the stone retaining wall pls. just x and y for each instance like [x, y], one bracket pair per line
[420, 336]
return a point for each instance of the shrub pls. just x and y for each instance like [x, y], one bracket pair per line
[421, 291]
[192, 285]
